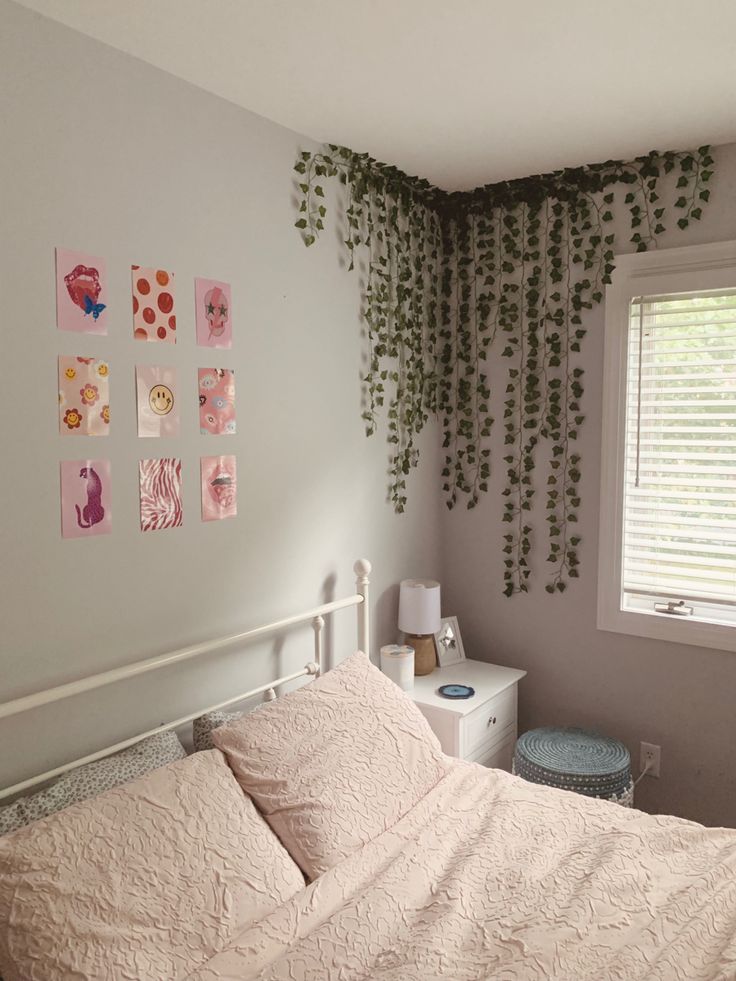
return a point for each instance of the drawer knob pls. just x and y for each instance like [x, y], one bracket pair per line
[492, 720]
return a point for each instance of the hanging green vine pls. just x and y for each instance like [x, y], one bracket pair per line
[447, 273]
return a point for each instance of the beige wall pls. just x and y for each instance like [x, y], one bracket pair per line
[104, 153]
[636, 689]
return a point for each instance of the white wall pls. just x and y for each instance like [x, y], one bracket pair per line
[106, 154]
[636, 689]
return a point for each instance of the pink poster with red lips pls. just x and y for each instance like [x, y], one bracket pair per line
[81, 292]
[219, 487]
[213, 313]
[85, 498]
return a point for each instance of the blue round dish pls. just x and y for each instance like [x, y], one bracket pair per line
[456, 691]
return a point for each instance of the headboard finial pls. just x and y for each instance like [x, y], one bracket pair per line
[362, 568]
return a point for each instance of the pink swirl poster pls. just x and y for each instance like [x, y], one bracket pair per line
[216, 401]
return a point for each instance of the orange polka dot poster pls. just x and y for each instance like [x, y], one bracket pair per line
[154, 316]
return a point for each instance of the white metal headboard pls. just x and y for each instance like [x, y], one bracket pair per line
[359, 599]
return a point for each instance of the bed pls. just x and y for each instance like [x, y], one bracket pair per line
[326, 836]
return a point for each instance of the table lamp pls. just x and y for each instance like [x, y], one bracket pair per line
[419, 618]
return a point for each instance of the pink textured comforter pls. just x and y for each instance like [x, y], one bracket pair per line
[490, 877]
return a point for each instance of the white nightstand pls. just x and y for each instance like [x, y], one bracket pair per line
[481, 729]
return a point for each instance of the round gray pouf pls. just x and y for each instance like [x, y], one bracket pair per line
[576, 759]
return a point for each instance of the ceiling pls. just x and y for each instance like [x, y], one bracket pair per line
[462, 92]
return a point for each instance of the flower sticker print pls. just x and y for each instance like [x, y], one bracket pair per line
[219, 487]
[160, 488]
[216, 401]
[81, 292]
[85, 498]
[213, 313]
[158, 400]
[154, 317]
[84, 397]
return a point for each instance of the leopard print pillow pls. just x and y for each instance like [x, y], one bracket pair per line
[205, 725]
[92, 779]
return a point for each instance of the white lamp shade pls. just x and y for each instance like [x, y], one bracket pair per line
[419, 606]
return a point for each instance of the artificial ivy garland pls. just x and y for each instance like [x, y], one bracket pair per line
[446, 273]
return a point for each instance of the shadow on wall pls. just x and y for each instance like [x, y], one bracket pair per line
[328, 639]
[386, 609]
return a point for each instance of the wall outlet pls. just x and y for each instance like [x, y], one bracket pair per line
[649, 753]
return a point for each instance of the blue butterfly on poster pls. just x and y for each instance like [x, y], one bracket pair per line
[91, 307]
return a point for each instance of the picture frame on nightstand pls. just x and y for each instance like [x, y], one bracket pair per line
[448, 643]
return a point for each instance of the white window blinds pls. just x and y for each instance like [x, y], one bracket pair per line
[679, 535]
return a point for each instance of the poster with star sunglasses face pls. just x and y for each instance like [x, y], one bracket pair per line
[213, 313]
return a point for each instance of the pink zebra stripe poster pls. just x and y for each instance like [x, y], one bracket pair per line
[160, 482]
[86, 508]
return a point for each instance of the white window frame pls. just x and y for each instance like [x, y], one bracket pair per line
[701, 267]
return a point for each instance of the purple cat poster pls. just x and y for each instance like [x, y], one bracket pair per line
[85, 498]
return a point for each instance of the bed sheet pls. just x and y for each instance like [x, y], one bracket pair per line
[490, 877]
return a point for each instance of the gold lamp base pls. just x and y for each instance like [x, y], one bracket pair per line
[425, 656]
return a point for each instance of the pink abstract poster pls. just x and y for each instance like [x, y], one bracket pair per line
[158, 400]
[85, 498]
[219, 487]
[216, 401]
[84, 396]
[213, 313]
[81, 292]
[154, 316]
[160, 482]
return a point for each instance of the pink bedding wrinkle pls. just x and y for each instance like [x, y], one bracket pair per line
[424, 868]
[336, 763]
[144, 883]
[488, 877]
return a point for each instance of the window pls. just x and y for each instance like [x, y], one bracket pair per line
[668, 493]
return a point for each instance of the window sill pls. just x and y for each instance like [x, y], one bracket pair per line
[662, 626]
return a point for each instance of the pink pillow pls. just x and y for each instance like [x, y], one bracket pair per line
[335, 763]
[148, 880]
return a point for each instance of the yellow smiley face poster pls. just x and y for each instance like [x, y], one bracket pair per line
[158, 400]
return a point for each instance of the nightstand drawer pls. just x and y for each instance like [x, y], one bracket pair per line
[485, 725]
[500, 755]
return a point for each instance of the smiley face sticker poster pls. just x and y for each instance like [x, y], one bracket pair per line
[158, 400]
